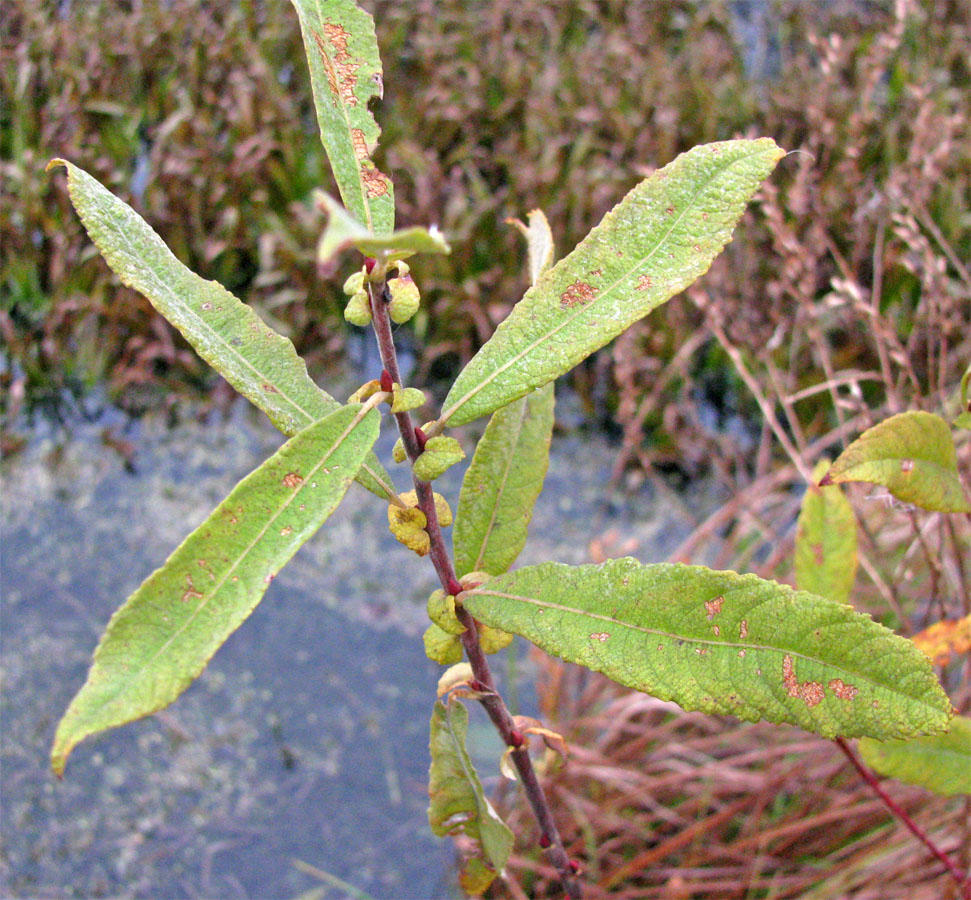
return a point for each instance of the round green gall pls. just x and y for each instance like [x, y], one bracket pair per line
[354, 284]
[358, 309]
[405, 299]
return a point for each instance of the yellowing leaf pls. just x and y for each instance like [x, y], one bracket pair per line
[825, 553]
[940, 763]
[945, 639]
[159, 641]
[661, 237]
[719, 642]
[912, 455]
[457, 802]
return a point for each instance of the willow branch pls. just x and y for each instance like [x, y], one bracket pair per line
[490, 698]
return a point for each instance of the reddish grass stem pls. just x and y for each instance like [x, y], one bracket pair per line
[964, 881]
[493, 703]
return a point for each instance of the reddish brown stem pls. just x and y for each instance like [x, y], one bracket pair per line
[964, 881]
[490, 700]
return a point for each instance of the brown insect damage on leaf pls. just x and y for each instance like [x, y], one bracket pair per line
[341, 69]
[842, 690]
[292, 480]
[375, 181]
[714, 607]
[577, 294]
[644, 283]
[599, 636]
[810, 691]
[743, 629]
[361, 150]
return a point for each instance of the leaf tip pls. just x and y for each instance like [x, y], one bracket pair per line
[54, 163]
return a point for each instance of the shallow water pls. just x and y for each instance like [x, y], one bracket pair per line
[304, 740]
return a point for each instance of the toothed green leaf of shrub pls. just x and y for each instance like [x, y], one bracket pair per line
[661, 237]
[825, 555]
[458, 803]
[940, 762]
[345, 74]
[163, 636]
[502, 483]
[720, 642]
[912, 455]
[259, 363]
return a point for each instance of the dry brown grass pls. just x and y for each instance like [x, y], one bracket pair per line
[658, 803]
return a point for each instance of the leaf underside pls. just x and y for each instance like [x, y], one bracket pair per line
[912, 455]
[161, 639]
[502, 483]
[661, 237]
[940, 763]
[259, 363]
[825, 551]
[345, 74]
[458, 802]
[720, 642]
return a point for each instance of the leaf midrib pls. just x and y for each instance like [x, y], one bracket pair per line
[694, 640]
[347, 123]
[606, 292]
[502, 487]
[176, 302]
[215, 589]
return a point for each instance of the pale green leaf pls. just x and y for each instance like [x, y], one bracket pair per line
[912, 455]
[661, 237]
[343, 231]
[940, 763]
[720, 642]
[502, 483]
[825, 553]
[259, 363]
[345, 74]
[458, 803]
[539, 243]
[159, 641]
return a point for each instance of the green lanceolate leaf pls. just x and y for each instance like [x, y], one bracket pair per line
[159, 641]
[720, 642]
[259, 363]
[343, 231]
[661, 237]
[940, 763]
[345, 74]
[826, 541]
[458, 803]
[912, 455]
[502, 484]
